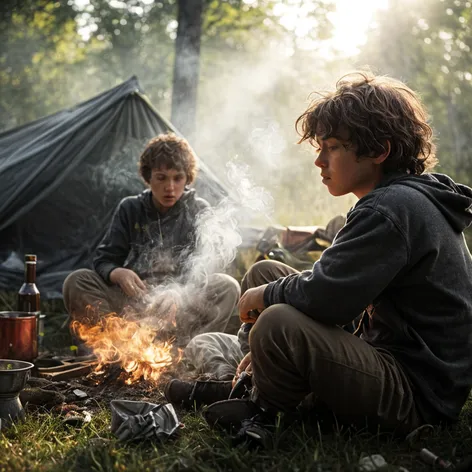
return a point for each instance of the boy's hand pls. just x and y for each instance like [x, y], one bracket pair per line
[252, 300]
[244, 366]
[165, 304]
[128, 281]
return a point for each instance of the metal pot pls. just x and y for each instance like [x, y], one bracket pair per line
[13, 377]
[18, 335]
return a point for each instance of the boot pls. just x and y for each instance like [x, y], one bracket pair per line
[196, 393]
[245, 420]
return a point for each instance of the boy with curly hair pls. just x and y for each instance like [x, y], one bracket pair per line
[401, 260]
[148, 242]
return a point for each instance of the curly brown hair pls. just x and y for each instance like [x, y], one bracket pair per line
[374, 110]
[171, 152]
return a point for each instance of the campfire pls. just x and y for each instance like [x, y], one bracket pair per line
[131, 357]
[138, 349]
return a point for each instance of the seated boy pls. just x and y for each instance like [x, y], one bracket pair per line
[401, 258]
[149, 240]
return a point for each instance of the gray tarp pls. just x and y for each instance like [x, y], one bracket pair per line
[63, 175]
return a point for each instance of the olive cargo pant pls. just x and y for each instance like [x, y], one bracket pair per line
[86, 287]
[294, 355]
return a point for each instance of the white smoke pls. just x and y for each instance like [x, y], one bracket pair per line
[218, 228]
[218, 236]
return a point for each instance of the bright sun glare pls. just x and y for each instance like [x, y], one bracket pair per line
[351, 20]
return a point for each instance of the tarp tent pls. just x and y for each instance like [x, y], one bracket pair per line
[62, 177]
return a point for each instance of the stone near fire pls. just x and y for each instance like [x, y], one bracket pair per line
[40, 397]
[79, 393]
[38, 382]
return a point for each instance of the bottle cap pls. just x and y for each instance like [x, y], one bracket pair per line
[30, 258]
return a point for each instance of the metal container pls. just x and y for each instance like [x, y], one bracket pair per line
[13, 377]
[18, 335]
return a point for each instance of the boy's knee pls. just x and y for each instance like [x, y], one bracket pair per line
[232, 285]
[261, 267]
[270, 321]
[280, 322]
[72, 279]
[224, 283]
[76, 284]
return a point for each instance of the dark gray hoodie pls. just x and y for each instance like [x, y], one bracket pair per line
[403, 253]
[151, 244]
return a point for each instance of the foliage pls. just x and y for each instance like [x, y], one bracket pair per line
[38, 45]
[255, 77]
[428, 44]
[245, 90]
[41, 44]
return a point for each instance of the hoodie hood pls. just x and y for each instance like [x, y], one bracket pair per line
[453, 200]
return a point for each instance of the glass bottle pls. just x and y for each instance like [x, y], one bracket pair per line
[28, 295]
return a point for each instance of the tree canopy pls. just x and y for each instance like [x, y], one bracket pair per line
[256, 74]
[428, 45]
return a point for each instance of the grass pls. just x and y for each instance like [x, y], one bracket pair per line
[44, 443]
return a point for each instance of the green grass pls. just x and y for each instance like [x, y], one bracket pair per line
[43, 443]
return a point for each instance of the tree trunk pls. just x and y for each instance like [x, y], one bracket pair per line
[186, 66]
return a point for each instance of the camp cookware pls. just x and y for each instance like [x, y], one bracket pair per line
[18, 335]
[13, 377]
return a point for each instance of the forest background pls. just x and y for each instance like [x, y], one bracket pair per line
[259, 61]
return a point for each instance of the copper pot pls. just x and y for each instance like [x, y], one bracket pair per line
[18, 335]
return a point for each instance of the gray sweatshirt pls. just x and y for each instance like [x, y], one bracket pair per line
[401, 252]
[141, 239]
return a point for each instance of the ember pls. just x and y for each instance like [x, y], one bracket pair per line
[131, 345]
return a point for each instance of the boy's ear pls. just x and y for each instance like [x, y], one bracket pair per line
[381, 157]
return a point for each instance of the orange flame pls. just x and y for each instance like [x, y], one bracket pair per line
[133, 346]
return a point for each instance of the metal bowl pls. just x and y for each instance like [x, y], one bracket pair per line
[13, 375]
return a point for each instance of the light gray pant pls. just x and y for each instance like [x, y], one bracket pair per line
[216, 355]
[86, 287]
[219, 355]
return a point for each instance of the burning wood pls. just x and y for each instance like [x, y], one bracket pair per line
[67, 370]
[135, 347]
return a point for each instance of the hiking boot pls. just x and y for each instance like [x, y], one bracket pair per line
[257, 431]
[247, 420]
[196, 393]
[229, 414]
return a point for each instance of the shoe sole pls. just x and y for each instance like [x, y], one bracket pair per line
[228, 414]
